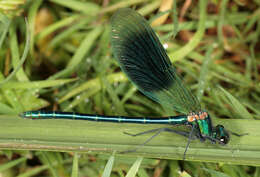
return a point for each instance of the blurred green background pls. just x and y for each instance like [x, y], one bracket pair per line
[56, 55]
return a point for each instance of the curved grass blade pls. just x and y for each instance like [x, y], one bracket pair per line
[4, 24]
[142, 57]
[11, 164]
[75, 167]
[134, 168]
[109, 166]
[237, 106]
[23, 58]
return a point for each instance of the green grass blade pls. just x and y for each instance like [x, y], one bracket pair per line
[75, 167]
[204, 73]
[12, 163]
[88, 8]
[25, 52]
[181, 53]
[121, 4]
[56, 26]
[21, 76]
[82, 50]
[40, 169]
[5, 109]
[58, 39]
[48, 158]
[133, 170]
[4, 28]
[175, 19]
[215, 173]
[80, 98]
[34, 171]
[93, 84]
[174, 168]
[108, 168]
[36, 84]
[113, 96]
[236, 105]
[88, 136]
[221, 20]
[31, 19]
[149, 7]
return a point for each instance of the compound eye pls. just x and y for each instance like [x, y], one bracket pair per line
[223, 139]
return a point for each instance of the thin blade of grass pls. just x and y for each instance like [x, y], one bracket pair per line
[88, 8]
[133, 170]
[25, 52]
[31, 19]
[204, 73]
[223, 8]
[57, 25]
[37, 84]
[14, 46]
[75, 166]
[236, 105]
[175, 19]
[59, 38]
[4, 109]
[4, 27]
[108, 168]
[94, 84]
[12, 163]
[120, 4]
[182, 52]
[82, 50]
[215, 173]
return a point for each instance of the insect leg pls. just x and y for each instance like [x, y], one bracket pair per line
[158, 131]
[239, 135]
[189, 140]
[183, 133]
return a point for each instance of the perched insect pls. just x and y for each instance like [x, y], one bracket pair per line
[143, 59]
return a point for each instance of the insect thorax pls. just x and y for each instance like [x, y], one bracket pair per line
[203, 121]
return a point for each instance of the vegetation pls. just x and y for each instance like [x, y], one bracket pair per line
[56, 55]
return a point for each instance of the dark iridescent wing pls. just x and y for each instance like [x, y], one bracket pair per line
[142, 57]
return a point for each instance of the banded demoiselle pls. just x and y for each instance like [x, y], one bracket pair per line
[143, 59]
